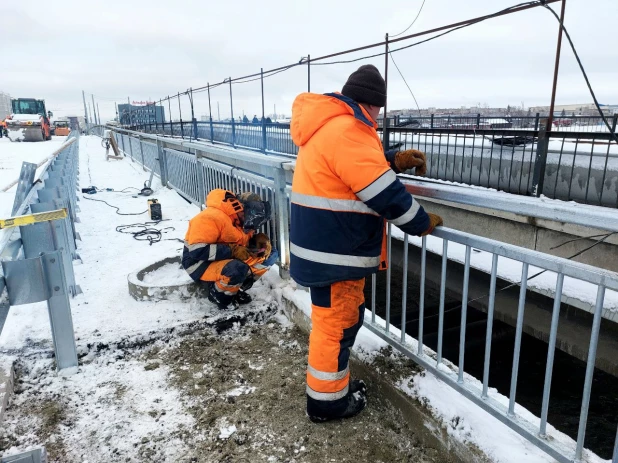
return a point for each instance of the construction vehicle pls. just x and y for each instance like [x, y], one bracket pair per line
[62, 128]
[29, 120]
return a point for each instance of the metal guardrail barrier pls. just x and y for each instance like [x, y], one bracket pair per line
[213, 167]
[37, 254]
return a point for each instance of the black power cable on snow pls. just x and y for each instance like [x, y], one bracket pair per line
[146, 232]
[581, 67]
[117, 208]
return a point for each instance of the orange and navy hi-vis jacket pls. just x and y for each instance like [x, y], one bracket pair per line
[212, 231]
[342, 191]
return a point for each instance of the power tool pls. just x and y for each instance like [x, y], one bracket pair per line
[154, 208]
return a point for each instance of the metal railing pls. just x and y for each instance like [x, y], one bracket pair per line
[215, 167]
[37, 258]
[574, 166]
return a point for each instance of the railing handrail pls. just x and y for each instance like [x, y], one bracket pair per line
[274, 161]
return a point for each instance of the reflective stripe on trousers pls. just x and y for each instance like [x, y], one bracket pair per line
[336, 315]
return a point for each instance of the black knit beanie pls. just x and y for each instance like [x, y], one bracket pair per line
[366, 85]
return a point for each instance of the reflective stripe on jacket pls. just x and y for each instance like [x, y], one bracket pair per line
[211, 232]
[342, 191]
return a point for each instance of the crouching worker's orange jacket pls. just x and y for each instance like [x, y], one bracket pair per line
[207, 242]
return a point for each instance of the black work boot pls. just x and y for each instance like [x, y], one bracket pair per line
[222, 301]
[351, 405]
[358, 385]
[242, 298]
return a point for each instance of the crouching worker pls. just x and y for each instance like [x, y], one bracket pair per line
[222, 248]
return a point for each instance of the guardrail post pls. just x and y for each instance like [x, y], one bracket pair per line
[212, 131]
[232, 112]
[283, 221]
[432, 121]
[162, 162]
[39, 279]
[536, 121]
[478, 120]
[540, 163]
[201, 184]
[141, 150]
[130, 147]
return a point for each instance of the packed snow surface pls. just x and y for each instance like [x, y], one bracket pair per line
[167, 275]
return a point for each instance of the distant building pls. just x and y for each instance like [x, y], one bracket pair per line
[584, 109]
[139, 114]
[5, 105]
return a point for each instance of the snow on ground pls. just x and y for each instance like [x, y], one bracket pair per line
[170, 380]
[13, 154]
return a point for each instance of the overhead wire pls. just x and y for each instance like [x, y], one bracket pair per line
[406, 82]
[412, 24]
[581, 67]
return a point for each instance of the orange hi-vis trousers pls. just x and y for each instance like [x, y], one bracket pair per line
[337, 313]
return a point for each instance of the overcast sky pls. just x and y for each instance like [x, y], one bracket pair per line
[148, 49]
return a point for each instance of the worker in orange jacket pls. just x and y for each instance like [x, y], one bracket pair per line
[223, 249]
[344, 188]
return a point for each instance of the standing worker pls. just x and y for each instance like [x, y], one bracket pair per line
[222, 249]
[344, 188]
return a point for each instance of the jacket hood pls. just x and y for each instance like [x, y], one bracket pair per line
[225, 201]
[311, 111]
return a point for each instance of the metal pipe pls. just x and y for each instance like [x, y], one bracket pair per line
[232, 112]
[592, 354]
[94, 110]
[385, 133]
[442, 298]
[464, 313]
[263, 116]
[551, 349]
[388, 277]
[309, 73]
[421, 303]
[212, 133]
[490, 323]
[373, 298]
[518, 333]
[85, 110]
[404, 296]
[552, 103]
[615, 458]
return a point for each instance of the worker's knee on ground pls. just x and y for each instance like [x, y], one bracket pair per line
[237, 272]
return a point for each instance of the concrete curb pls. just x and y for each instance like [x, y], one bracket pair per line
[141, 291]
[430, 430]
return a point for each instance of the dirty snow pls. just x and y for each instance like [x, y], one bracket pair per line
[169, 274]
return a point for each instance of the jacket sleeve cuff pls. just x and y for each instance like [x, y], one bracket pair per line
[390, 157]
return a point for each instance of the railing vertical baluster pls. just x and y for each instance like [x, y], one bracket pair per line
[373, 297]
[388, 277]
[442, 298]
[615, 458]
[518, 333]
[592, 354]
[421, 303]
[404, 297]
[551, 349]
[464, 313]
[589, 176]
[490, 323]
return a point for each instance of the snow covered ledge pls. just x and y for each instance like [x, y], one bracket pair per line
[444, 419]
